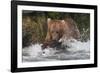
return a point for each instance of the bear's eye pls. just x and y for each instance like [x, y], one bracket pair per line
[57, 32]
[52, 31]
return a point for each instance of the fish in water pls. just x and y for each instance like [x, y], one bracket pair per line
[53, 44]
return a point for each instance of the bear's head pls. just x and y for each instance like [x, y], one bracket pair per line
[55, 29]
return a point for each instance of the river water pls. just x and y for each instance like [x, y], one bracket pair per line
[77, 50]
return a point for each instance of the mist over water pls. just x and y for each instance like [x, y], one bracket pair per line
[77, 50]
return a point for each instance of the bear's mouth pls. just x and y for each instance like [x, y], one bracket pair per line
[51, 44]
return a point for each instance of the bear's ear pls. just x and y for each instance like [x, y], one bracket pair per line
[63, 21]
[48, 20]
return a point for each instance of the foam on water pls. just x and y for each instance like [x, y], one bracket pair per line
[76, 50]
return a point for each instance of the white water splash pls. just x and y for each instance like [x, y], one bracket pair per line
[75, 45]
[33, 50]
[76, 50]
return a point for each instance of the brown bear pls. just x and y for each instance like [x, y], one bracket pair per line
[59, 30]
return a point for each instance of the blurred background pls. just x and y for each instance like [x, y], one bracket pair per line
[34, 25]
